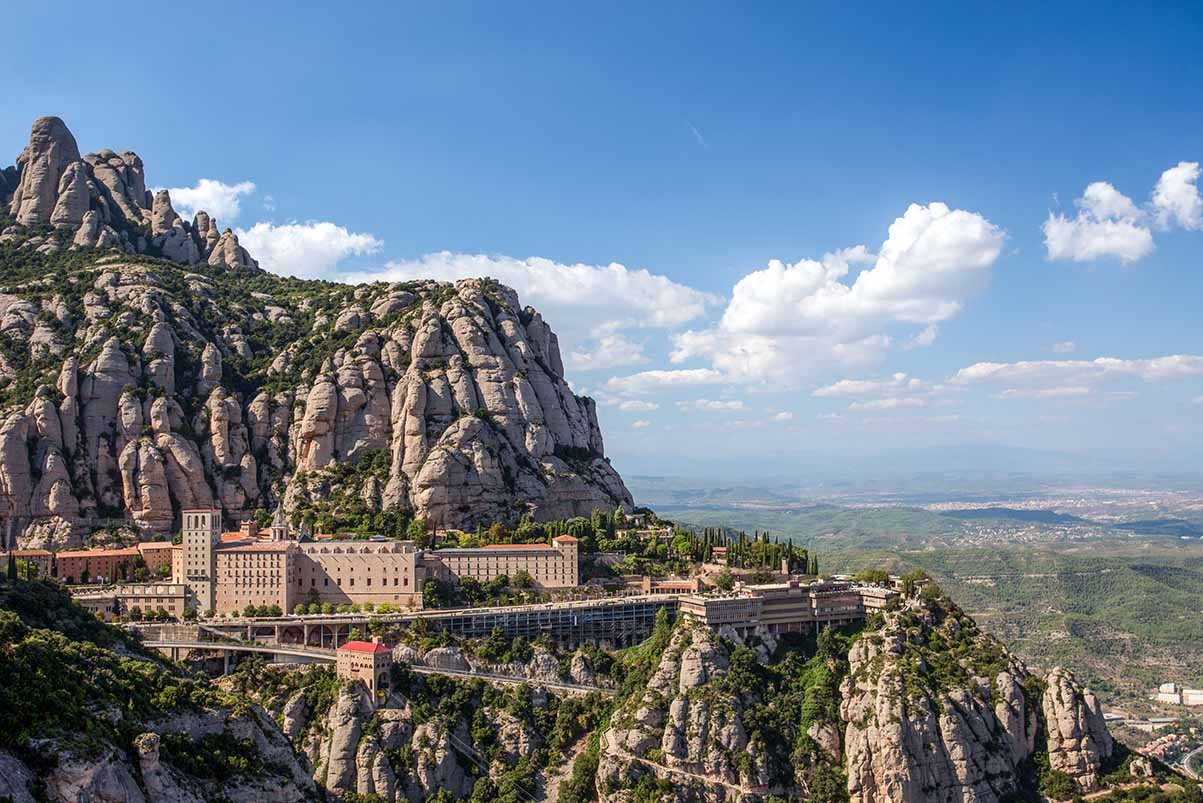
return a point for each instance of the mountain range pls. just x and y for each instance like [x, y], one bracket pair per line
[149, 366]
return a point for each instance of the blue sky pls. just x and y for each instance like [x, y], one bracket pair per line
[694, 146]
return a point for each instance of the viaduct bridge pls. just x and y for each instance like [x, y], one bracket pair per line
[615, 622]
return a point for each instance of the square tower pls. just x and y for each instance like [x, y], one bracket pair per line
[369, 661]
[201, 534]
[569, 549]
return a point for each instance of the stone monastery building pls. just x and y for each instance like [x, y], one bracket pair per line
[227, 571]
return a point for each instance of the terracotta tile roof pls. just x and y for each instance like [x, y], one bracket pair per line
[155, 545]
[127, 552]
[262, 546]
[363, 646]
[29, 553]
[565, 539]
[515, 546]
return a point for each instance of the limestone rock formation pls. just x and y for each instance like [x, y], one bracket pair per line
[925, 707]
[109, 775]
[1078, 741]
[40, 169]
[102, 200]
[469, 428]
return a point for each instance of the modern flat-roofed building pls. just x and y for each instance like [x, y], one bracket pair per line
[112, 603]
[257, 573]
[358, 572]
[790, 607]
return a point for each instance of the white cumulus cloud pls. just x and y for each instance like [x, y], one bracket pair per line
[657, 380]
[310, 250]
[637, 406]
[711, 405]
[1081, 372]
[641, 424]
[897, 383]
[892, 403]
[1108, 224]
[609, 351]
[790, 319]
[1057, 392]
[1176, 197]
[222, 201]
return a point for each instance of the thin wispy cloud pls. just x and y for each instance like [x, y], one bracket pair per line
[697, 135]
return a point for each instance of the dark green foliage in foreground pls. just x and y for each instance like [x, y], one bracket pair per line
[213, 757]
[58, 674]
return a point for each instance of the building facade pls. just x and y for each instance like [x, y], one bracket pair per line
[200, 535]
[554, 566]
[226, 572]
[169, 598]
[95, 565]
[42, 560]
[791, 607]
[366, 661]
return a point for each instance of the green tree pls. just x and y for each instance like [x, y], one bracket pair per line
[873, 576]
[522, 579]
[434, 594]
[725, 581]
[418, 532]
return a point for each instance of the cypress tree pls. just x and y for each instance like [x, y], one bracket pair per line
[12, 566]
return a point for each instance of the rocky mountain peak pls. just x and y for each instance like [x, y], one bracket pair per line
[101, 201]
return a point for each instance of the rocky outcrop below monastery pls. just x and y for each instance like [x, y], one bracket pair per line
[430, 733]
[143, 377]
[148, 775]
[921, 706]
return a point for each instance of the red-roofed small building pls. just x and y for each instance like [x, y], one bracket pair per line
[368, 661]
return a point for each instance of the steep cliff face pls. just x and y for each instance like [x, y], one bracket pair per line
[921, 706]
[935, 709]
[138, 386]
